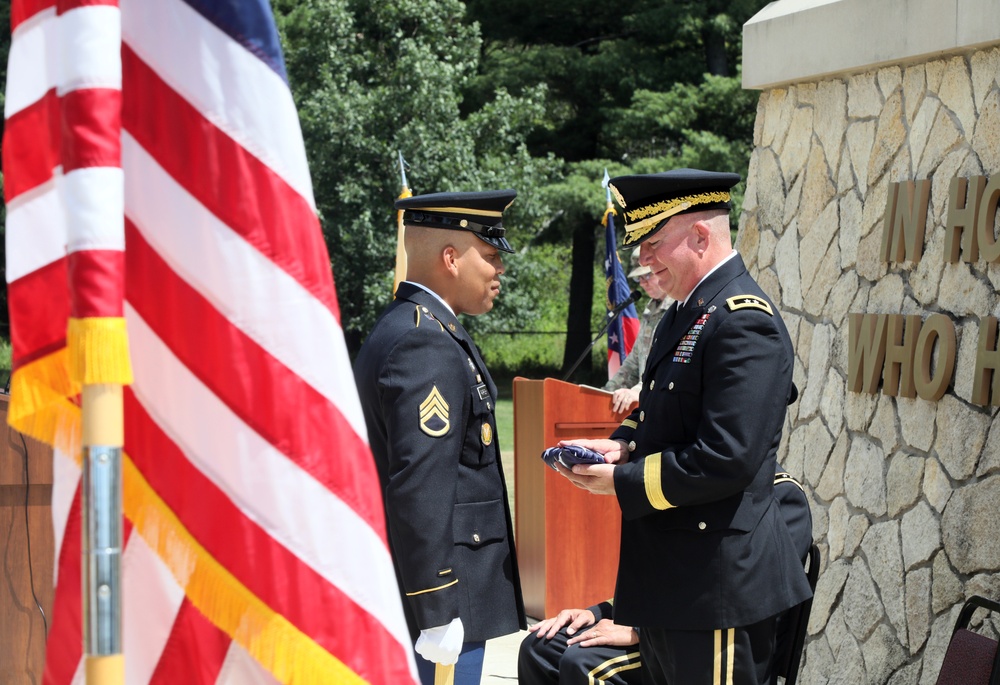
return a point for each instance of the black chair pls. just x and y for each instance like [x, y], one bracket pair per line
[796, 621]
[971, 659]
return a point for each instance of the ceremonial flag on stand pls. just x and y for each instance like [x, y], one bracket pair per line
[623, 331]
[160, 140]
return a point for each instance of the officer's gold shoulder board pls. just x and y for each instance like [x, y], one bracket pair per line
[434, 414]
[749, 302]
[782, 477]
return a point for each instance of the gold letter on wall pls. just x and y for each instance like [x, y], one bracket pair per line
[987, 363]
[932, 386]
[900, 349]
[905, 221]
[865, 352]
[988, 244]
[963, 219]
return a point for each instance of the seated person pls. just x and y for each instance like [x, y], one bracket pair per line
[586, 645]
[628, 379]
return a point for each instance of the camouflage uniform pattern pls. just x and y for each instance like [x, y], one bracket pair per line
[629, 374]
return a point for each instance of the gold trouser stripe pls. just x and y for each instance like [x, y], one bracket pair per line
[717, 671]
[651, 478]
[729, 655]
[631, 660]
[431, 589]
[444, 675]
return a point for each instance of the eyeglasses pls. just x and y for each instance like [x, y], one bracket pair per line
[644, 277]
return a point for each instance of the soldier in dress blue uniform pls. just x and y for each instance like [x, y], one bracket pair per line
[706, 563]
[429, 404]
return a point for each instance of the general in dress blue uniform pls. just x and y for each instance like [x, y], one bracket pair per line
[429, 406]
[706, 563]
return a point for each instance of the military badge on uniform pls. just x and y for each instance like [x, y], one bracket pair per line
[426, 314]
[434, 414]
[487, 433]
[685, 348]
[749, 301]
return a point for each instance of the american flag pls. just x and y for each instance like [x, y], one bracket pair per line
[153, 160]
[623, 331]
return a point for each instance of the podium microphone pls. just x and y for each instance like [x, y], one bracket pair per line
[612, 315]
[619, 308]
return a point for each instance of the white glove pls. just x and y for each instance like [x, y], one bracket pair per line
[443, 644]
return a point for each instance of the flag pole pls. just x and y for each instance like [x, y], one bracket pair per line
[606, 184]
[103, 435]
[400, 229]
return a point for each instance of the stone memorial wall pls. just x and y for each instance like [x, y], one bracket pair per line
[904, 485]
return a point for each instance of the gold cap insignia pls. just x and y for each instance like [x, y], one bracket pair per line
[644, 219]
[487, 433]
[434, 414]
[617, 194]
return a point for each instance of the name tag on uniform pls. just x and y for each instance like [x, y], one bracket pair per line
[483, 392]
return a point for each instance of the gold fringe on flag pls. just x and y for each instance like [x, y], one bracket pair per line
[40, 404]
[289, 654]
[609, 210]
[99, 351]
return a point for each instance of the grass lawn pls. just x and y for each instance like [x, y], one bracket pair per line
[505, 426]
[505, 431]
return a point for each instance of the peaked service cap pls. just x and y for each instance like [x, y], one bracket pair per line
[478, 212]
[648, 200]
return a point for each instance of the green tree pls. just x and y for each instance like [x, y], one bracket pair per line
[374, 78]
[638, 86]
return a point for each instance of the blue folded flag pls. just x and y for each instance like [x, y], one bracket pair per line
[571, 454]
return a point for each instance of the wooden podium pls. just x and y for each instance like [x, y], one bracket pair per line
[567, 538]
[24, 509]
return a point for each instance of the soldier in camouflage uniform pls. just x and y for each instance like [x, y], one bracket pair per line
[627, 381]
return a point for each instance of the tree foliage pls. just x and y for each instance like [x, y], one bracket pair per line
[538, 96]
[375, 78]
[639, 86]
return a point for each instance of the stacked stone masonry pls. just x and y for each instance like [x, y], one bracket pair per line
[905, 493]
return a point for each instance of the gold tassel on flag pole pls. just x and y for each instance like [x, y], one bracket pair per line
[400, 230]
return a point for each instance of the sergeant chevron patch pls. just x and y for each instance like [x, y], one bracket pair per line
[434, 414]
[748, 301]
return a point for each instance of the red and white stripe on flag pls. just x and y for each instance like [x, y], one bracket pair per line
[255, 545]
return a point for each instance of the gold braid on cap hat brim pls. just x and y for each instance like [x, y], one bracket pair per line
[459, 210]
[664, 210]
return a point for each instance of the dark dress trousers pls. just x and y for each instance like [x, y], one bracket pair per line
[552, 662]
[429, 402]
[703, 544]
